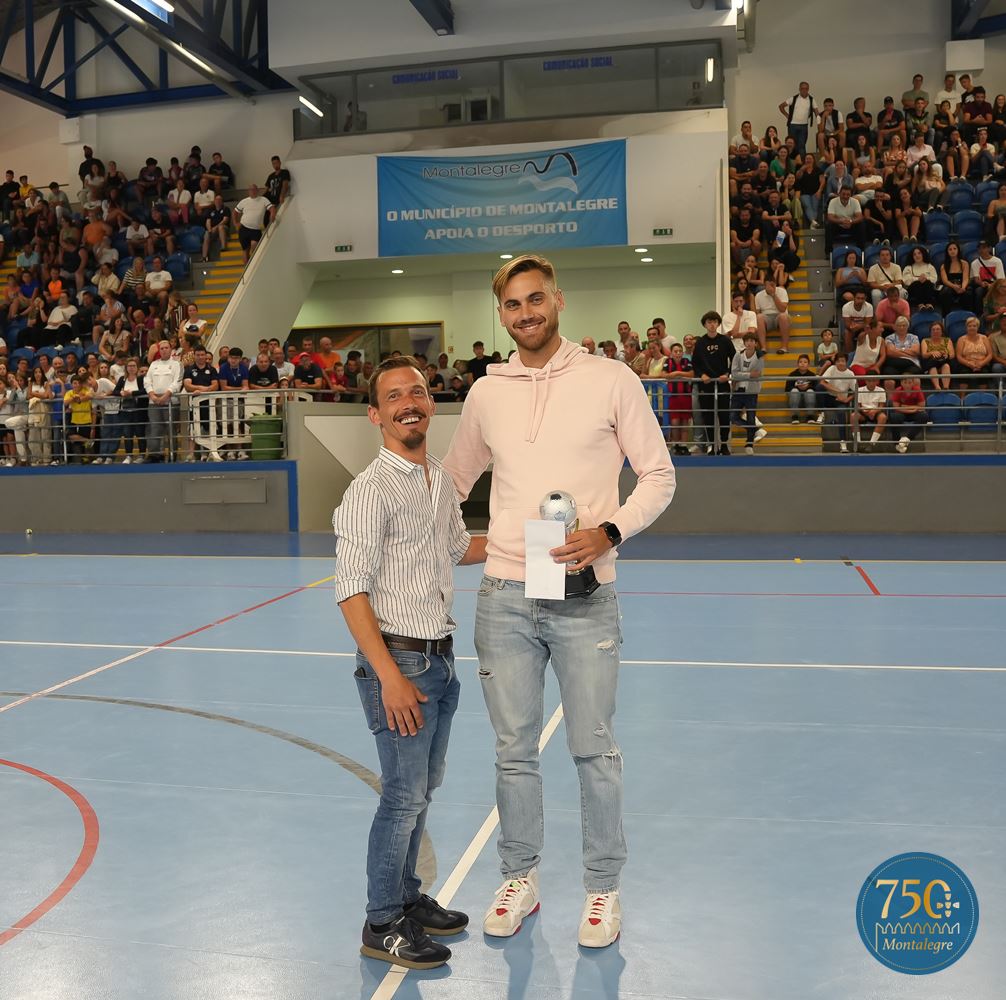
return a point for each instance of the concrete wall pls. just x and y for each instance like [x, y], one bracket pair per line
[251, 497]
[596, 300]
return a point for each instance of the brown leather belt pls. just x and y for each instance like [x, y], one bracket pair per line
[430, 647]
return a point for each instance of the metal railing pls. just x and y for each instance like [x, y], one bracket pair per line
[217, 426]
[968, 417]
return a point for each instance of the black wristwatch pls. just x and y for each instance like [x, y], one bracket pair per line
[611, 530]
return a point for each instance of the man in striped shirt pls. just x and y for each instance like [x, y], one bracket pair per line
[398, 531]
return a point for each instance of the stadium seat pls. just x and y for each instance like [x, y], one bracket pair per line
[178, 265]
[1000, 251]
[936, 225]
[123, 266]
[119, 243]
[984, 199]
[984, 186]
[969, 225]
[922, 320]
[838, 255]
[90, 349]
[50, 352]
[944, 408]
[937, 253]
[981, 409]
[955, 323]
[969, 249]
[871, 255]
[13, 331]
[190, 240]
[960, 199]
[22, 352]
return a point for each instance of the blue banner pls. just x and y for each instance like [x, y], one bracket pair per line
[572, 196]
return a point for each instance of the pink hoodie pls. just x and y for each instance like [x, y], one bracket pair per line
[567, 426]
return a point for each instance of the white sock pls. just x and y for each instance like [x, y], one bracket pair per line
[874, 437]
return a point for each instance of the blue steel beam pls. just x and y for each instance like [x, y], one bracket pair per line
[12, 85]
[438, 14]
[124, 57]
[966, 15]
[50, 46]
[29, 39]
[70, 70]
[8, 28]
[70, 56]
[994, 25]
[143, 98]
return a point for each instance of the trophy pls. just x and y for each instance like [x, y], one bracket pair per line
[558, 505]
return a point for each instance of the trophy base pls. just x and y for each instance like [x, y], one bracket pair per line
[582, 583]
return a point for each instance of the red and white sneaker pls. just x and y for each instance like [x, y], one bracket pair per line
[515, 900]
[601, 922]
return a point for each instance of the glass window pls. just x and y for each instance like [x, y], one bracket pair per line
[334, 96]
[580, 83]
[691, 76]
[429, 96]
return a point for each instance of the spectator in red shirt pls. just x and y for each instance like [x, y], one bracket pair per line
[908, 412]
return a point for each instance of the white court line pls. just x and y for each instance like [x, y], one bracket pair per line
[744, 664]
[73, 680]
[396, 975]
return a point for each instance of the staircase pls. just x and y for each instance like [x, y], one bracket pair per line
[810, 311]
[219, 279]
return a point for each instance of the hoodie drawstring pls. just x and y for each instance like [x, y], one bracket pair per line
[538, 414]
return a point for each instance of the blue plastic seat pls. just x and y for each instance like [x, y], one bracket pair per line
[937, 253]
[936, 226]
[969, 250]
[123, 266]
[985, 198]
[904, 253]
[179, 266]
[50, 352]
[190, 241]
[871, 255]
[838, 256]
[968, 225]
[14, 329]
[955, 323]
[1000, 251]
[922, 320]
[984, 186]
[960, 199]
[944, 408]
[22, 352]
[981, 409]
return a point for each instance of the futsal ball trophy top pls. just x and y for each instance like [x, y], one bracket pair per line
[558, 505]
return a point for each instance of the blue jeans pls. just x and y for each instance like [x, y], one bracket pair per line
[411, 768]
[798, 132]
[746, 403]
[811, 207]
[515, 639]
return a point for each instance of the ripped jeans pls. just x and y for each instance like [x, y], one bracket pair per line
[515, 638]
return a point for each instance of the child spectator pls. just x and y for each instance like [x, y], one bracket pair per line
[678, 370]
[800, 387]
[745, 376]
[826, 351]
[908, 412]
[80, 427]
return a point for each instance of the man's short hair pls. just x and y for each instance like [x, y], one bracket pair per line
[478, 343]
[390, 364]
[656, 320]
[235, 352]
[521, 265]
[712, 314]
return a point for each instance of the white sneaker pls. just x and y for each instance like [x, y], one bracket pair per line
[242, 456]
[760, 433]
[216, 456]
[128, 460]
[843, 447]
[601, 922]
[902, 445]
[820, 418]
[748, 449]
[515, 900]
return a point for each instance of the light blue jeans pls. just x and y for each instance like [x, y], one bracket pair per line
[515, 639]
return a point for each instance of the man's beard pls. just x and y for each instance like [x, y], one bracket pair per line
[413, 440]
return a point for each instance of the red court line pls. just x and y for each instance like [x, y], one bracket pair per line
[80, 866]
[866, 576]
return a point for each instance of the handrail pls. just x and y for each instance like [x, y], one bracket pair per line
[216, 337]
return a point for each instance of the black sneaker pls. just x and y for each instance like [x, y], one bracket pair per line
[404, 943]
[724, 449]
[434, 919]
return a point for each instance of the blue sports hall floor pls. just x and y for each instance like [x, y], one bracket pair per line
[186, 781]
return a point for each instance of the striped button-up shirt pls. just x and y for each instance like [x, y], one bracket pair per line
[397, 540]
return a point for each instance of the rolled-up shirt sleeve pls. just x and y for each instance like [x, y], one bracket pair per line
[360, 523]
[460, 539]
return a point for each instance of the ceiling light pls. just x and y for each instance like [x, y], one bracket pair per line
[397, 270]
[164, 5]
[192, 58]
[645, 260]
[132, 15]
[642, 250]
[739, 4]
[710, 69]
[506, 256]
[311, 107]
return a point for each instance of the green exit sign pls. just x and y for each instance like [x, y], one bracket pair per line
[663, 232]
[343, 247]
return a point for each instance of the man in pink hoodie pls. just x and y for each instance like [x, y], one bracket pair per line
[555, 418]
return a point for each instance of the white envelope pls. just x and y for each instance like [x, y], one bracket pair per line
[545, 578]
